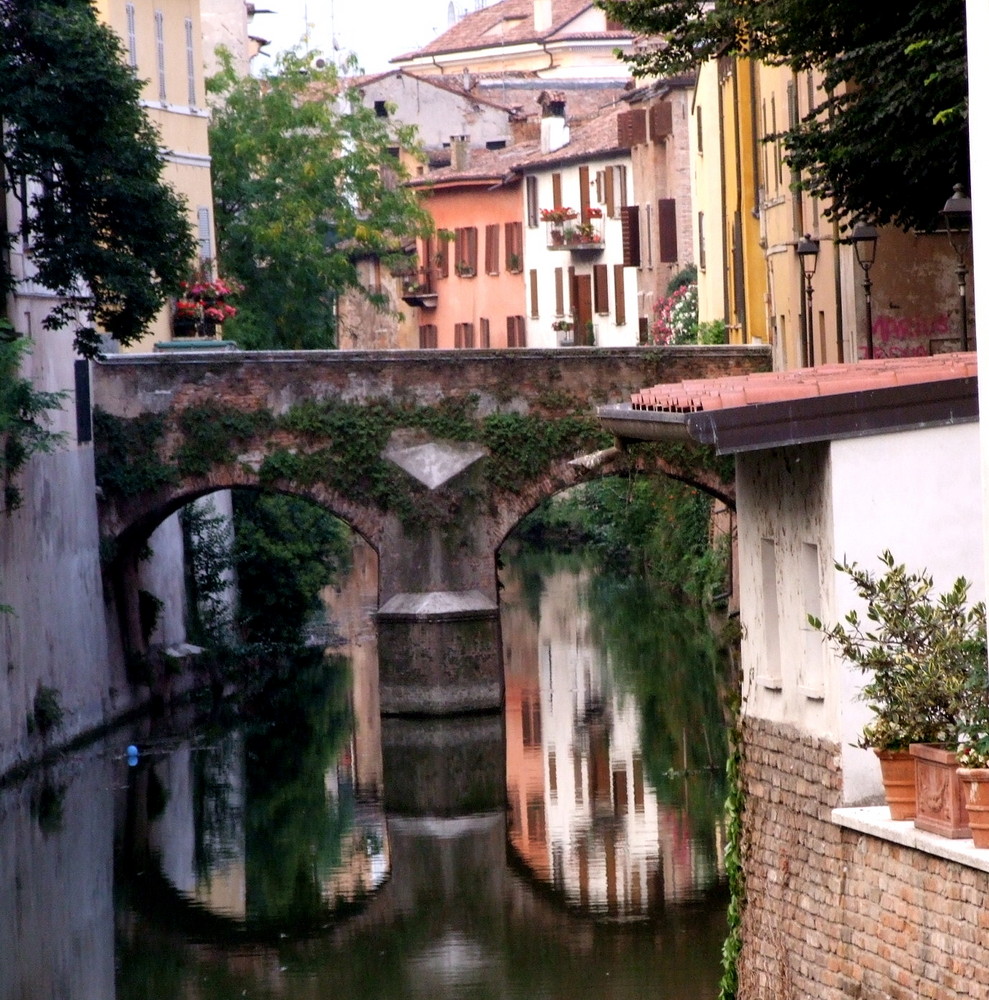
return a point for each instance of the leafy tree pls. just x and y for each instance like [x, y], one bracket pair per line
[890, 137]
[285, 551]
[107, 235]
[302, 182]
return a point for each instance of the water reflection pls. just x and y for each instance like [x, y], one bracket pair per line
[609, 828]
[290, 855]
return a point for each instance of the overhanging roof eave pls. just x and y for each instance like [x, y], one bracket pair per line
[760, 426]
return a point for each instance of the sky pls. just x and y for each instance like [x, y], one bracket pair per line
[376, 30]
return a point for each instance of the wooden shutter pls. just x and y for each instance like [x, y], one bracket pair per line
[533, 293]
[491, 262]
[609, 191]
[458, 335]
[632, 128]
[601, 289]
[668, 230]
[558, 277]
[513, 247]
[557, 190]
[510, 331]
[584, 174]
[660, 121]
[427, 335]
[468, 334]
[619, 277]
[701, 245]
[472, 248]
[485, 332]
[520, 340]
[631, 254]
[442, 256]
[532, 201]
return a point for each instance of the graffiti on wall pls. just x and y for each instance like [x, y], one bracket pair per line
[911, 336]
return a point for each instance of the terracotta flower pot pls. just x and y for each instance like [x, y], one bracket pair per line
[900, 782]
[940, 796]
[975, 781]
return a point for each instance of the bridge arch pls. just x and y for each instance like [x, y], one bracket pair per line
[433, 457]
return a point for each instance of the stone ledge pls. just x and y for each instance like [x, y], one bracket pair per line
[875, 821]
[438, 604]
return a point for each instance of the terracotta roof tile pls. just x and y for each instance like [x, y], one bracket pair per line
[696, 395]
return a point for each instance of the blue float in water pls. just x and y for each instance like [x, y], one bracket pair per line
[132, 755]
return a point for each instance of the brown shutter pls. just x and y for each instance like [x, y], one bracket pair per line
[631, 254]
[520, 331]
[619, 276]
[485, 332]
[601, 289]
[660, 121]
[472, 248]
[442, 258]
[631, 128]
[427, 335]
[557, 191]
[701, 245]
[468, 334]
[667, 230]
[510, 332]
[491, 248]
[513, 247]
[533, 293]
[584, 174]
[558, 277]
[458, 335]
[609, 191]
[532, 201]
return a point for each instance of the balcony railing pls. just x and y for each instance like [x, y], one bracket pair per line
[576, 236]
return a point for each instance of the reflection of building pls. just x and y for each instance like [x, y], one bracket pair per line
[583, 816]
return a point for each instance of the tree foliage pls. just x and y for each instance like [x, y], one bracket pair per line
[889, 138]
[107, 235]
[303, 184]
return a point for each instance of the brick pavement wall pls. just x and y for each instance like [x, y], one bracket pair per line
[832, 913]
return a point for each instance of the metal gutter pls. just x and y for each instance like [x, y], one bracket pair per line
[760, 426]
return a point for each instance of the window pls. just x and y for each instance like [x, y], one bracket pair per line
[463, 335]
[632, 128]
[131, 35]
[465, 251]
[584, 176]
[532, 201]
[601, 305]
[648, 236]
[558, 279]
[516, 331]
[770, 602]
[557, 190]
[700, 129]
[427, 336]
[485, 333]
[190, 62]
[491, 241]
[513, 247]
[701, 244]
[160, 52]
[380, 109]
[534, 293]
[205, 238]
[609, 192]
[660, 121]
[442, 258]
[618, 272]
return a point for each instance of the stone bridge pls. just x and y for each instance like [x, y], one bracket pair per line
[432, 456]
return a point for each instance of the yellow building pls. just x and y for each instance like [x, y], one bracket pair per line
[163, 42]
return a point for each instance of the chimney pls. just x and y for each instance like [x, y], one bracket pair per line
[554, 133]
[542, 15]
[459, 151]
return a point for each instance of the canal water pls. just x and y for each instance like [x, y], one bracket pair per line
[570, 848]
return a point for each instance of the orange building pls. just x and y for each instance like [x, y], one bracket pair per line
[468, 290]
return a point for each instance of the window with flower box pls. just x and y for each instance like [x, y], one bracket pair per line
[465, 251]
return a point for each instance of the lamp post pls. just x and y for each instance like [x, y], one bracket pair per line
[807, 251]
[864, 239]
[957, 214]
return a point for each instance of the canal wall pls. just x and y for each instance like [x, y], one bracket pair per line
[58, 651]
[833, 913]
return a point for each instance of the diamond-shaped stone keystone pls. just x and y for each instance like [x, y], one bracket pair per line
[433, 463]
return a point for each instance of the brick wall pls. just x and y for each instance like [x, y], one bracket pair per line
[836, 914]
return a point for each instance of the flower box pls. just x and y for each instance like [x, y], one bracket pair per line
[941, 805]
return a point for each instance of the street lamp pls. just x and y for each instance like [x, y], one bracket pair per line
[957, 214]
[807, 251]
[864, 239]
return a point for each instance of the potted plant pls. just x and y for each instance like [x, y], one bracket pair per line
[915, 648]
[973, 753]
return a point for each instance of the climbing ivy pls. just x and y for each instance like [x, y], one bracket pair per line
[127, 460]
[734, 868]
[210, 433]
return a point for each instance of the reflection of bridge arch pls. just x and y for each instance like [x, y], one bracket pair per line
[433, 457]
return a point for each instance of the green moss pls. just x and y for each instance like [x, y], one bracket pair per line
[127, 459]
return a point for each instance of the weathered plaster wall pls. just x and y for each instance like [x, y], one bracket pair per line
[834, 914]
[57, 635]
